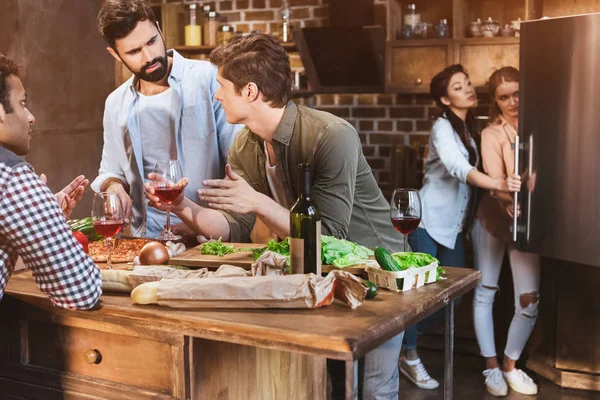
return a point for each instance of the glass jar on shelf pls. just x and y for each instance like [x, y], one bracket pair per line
[211, 28]
[411, 21]
[285, 27]
[225, 34]
[193, 31]
[442, 30]
[474, 28]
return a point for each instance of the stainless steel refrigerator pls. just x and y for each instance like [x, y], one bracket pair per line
[559, 130]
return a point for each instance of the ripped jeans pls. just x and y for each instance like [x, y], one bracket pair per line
[488, 253]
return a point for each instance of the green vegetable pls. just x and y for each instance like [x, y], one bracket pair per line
[386, 261]
[347, 260]
[333, 249]
[85, 226]
[216, 248]
[416, 260]
[371, 289]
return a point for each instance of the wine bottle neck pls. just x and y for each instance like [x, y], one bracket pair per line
[305, 183]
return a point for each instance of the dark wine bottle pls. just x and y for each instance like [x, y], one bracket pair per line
[305, 229]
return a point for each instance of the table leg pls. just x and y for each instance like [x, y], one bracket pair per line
[350, 394]
[449, 352]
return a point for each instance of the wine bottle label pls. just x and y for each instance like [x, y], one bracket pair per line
[297, 253]
[296, 256]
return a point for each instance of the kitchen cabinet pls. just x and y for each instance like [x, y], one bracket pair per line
[413, 62]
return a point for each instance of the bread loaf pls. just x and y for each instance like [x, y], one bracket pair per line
[145, 293]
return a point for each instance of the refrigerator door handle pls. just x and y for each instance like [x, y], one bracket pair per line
[516, 194]
[529, 189]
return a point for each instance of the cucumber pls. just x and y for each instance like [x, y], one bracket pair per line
[371, 289]
[387, 263]
[385, 260]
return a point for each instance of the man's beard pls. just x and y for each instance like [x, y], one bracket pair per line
[156, 75]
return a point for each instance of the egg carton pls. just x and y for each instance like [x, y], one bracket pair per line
[403, 281]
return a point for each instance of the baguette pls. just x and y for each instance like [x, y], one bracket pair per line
[115, 280]
[145, 293]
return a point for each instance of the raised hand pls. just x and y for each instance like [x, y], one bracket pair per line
[231, 194]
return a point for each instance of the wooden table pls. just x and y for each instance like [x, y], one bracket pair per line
[158, 352]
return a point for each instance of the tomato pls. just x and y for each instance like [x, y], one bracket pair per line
[82, 240]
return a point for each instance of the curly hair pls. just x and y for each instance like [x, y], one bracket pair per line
[118, 18]
[257, 58]
[7, 68]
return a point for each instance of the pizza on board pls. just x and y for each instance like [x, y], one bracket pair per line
[125, 252]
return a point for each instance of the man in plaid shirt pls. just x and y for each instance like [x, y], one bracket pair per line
[32, 220]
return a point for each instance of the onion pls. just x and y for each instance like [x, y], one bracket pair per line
[154, 253]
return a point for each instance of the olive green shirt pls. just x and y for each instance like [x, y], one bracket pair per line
[344, 189]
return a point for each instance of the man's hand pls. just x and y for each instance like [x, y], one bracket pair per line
[71, 194]
[119, 190]
[154, 201]
[231, 194]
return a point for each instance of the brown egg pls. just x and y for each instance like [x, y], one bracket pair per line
[154, 253]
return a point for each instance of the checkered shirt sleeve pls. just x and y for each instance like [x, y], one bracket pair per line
[32, 226]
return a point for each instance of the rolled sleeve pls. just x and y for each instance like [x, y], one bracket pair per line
[110, 166]
[448, 147]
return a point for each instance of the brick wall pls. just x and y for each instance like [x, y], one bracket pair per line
[382, 120]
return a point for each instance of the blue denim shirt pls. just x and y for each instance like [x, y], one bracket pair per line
[203, 137]
[445, 192]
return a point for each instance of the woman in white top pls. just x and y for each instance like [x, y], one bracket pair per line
[491, 238]
[448, 202]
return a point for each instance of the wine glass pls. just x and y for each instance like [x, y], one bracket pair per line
[167, 189]
[107, 216]
[405, 211]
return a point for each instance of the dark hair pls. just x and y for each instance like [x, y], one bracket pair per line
[465, 129]
[117, 18]
[504, 74]
[7, 68]
[257, 58]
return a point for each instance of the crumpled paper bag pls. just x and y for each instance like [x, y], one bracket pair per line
[269, 263]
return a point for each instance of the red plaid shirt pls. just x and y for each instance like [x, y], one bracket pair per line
[32, 226]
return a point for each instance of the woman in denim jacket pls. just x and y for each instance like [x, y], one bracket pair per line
[448, 200]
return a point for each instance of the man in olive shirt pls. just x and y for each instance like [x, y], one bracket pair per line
[262, 183]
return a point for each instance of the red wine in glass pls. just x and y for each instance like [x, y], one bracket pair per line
[168, 194]
[405, 211]
[108, 228]
[107, 216]
[168, 174]
[406, 225]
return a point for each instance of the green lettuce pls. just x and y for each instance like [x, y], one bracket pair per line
[408, 260]
[333, 249]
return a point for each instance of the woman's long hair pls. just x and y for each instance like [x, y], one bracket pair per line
[438, 88]
[499, 76]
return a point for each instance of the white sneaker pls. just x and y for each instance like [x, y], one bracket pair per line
[495, 383]
[415, 371]
[520, 382]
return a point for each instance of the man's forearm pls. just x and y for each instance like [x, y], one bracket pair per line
[274, 216]
[204, 221]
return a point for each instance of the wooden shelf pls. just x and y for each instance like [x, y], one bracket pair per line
[290, 47]
[445, 42]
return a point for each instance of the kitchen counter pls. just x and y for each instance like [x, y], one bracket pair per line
[159, 352]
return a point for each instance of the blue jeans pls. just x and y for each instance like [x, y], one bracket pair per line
[421, 242]
[378, 371]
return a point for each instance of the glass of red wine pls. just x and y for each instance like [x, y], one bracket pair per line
[167, 189]
[107, 216]
[405, 211]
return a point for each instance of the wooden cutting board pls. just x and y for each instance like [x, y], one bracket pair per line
[194, 258]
